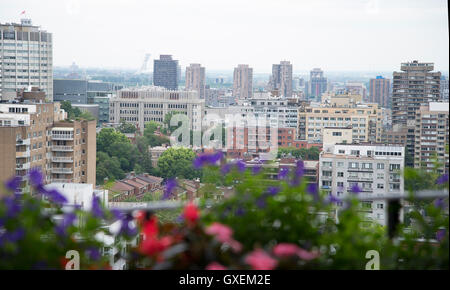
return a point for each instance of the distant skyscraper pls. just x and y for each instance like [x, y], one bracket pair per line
[195, 79]
[415, 86]
[26, 59]
[243, 82]
[281, 79]
[318, 84]
[444, 89]
[380, 91]
[165, 72]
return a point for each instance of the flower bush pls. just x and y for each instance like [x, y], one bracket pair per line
[266, 224]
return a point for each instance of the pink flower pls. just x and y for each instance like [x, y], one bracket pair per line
[285, 250]
[215, 266]
[307, 256]
[221, 232]
[260, 260]
[191, 213]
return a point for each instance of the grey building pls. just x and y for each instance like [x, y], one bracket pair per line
[444, 89]
[82, 92]
[165, 72]
[74, 91]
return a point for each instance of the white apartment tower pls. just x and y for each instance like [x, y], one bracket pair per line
[26, 59]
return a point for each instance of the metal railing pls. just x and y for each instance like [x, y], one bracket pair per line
[393, 200]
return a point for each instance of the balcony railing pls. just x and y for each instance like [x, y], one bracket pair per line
[23, 166]
[62, 148]
[62, 136]
[23, 142]
[23, 154]
[62, 170]
[62, 159]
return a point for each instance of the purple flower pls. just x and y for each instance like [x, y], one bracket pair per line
[240, 211]
[439, 203]
[213, 158]
[300, 169]
[125, 228]
[333, 199]
[240, 165]
[273, 190]
[16, 235]
[312, 189]
[13, 183]
[93, 253]
[171, 184]
[256, 169]
[355, 189]
[261, 202]
[440, 234]
[68, 220]
[35, 177]
[96, 209]
[13, 206]
[283, 173]
[442, 179]
[117, 213]
[180, 218]
[56, 197]
[225, 169]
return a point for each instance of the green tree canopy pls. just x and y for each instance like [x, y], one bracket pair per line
[177, 162]
[126, 127]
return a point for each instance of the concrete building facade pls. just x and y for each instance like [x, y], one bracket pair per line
[166, 72]
[380, 91]
[243, 82]
[26, 59]
[196, 79]
[281, 79]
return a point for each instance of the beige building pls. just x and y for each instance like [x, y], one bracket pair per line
[195, 79]
[33, 134]
[335, 135]
[141, 105]
[432, 136]
[243, 82]
[281, 80]
[365, 120]
[26, 59]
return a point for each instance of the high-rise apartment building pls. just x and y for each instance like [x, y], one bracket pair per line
[243, 82]
[26, 59]
[317, 84]
[281, 79]
[415, 86]
[141, 105]
[166, 72]
[196, 79]
[340, 111]
[444, 89]
[432, 136]
[374, 168]
[380, 91]
[34, 133]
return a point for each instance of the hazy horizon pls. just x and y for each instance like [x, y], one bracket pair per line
[359, 35]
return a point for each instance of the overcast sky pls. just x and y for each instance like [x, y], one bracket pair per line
[370, 35]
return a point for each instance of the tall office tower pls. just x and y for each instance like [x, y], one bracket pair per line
[282, 79]
[195, 79]
[380, 91]
[35, 134]
[444, 89]
[317, 83]
[243, 82]
[165, 72]
[415, 86]
[26, 59]
[432, 137]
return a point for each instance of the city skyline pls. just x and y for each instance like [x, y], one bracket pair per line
[314, 34]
